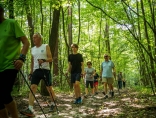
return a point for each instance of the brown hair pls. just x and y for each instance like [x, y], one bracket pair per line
[75, 45]
[89, 62]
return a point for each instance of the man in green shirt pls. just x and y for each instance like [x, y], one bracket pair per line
[12, 57]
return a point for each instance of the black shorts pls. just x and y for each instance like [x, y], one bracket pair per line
[89, 83]
[39, 74]
[75, 77]
[6, 85]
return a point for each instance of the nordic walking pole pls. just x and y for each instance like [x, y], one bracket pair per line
[43, 98]
[41, 94]
[49, 88]
[32, 92]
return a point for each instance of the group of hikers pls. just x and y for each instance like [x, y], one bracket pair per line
[13, 57]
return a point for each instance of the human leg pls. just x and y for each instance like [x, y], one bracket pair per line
[48, 82]
[52, 97]
[51, 93]
[86, 88]
[77, 88]
[36, 77]
[4, 113]
[120, 84]
[30, 111]
[124, 84]
[111, 87]
[75, 80]
[92, 88]
[31, 96]
[7, 104]
[104, 80]
[12, 108]
[77, 91]
[105, 90]
[96, 87]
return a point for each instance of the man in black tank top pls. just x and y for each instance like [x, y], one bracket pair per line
[76, 68]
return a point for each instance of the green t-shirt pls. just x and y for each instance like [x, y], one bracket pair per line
[10, 44]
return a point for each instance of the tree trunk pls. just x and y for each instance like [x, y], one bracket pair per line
[30, 22]
[55, 60]
[70, 31]
[106, 37]
[11, 9]
[44, 90]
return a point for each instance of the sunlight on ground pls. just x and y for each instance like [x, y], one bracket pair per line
[137, 106]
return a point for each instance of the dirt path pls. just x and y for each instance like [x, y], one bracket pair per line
[127, 104]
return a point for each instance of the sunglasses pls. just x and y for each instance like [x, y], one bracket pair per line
[105, 56]
[89, 64]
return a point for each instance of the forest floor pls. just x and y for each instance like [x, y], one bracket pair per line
[128, 104]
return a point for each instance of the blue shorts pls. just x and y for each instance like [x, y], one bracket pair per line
[75, 77]
[39, 74]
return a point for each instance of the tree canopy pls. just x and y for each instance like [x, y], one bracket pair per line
[125, 29]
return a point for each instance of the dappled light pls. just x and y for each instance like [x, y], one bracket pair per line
[73, 40]
[127, 104]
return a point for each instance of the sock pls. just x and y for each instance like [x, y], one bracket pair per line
[30, 108]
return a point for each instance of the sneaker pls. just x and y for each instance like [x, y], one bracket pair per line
[104, 93]
[76, 101]
[79, 101]
[112, 94]
[52, 108]
[106, 96]
[96, 93]
[27, 112]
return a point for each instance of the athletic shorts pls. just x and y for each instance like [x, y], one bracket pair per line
[89, 83]
[39, 74]
[108, 80]
[95, 83]
[75, 77]
[6, 85]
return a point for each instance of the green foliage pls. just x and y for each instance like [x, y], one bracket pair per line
[18, 91]
[127, 34]
[143, 89]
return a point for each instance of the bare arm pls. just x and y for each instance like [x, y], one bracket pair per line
[114, 72]
[69, 68]
[31, 64]
[26, 44]
[19, 63]
[94, 73]
[49, 55]
[101, 72]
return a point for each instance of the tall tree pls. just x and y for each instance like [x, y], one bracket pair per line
[11, 9]
[30, 21]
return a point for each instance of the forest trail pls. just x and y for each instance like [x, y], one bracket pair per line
[127, 104]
